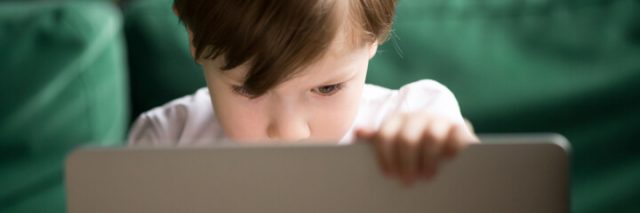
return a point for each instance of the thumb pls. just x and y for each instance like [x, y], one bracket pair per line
[365, 133]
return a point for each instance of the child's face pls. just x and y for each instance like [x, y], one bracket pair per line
[320, 103]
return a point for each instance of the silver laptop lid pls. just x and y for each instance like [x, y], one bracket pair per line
[507, 173]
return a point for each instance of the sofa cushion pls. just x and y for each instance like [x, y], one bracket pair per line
[62, 84]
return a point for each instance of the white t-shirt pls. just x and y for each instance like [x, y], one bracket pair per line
[190, 120]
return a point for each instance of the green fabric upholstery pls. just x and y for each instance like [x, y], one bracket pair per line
[62, 84]
[571, 67]
[564, 66]
[161, 67]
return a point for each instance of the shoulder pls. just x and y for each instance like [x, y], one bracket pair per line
[412, 96]
[379, 102]
[427, 94]
[184, 119]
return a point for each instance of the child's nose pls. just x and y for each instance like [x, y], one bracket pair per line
[287, 129]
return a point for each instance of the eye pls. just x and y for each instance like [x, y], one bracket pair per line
[241, 90]
[327, 90]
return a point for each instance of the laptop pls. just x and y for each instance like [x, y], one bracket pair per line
[506, 173]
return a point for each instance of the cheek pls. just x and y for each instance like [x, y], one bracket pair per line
[240, 122]
[240, 126]
[332, 120]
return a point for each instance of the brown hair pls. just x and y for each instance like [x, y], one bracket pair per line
[278, 37]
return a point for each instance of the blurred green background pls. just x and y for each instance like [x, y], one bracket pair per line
[77, 72]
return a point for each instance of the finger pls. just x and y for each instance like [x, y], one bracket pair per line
[430, 170]
[433, 139]
[409, 147]
[383, 140]
[451, 149]
[459, 138]
[365, 134]
[466, 133]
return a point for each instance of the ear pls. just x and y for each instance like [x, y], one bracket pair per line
[373, 49]
[191, 48]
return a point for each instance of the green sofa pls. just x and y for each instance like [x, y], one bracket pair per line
[62, 84]
[571, 67]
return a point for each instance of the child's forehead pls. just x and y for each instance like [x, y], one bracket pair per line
[339, 61]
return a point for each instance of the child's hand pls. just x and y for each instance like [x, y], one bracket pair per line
[409, 146]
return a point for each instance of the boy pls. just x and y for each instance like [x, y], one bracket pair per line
[291, 70]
